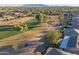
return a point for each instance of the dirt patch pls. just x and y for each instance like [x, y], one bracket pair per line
[16, 21]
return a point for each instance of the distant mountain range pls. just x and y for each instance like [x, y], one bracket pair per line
[34, 5]
[43, 5]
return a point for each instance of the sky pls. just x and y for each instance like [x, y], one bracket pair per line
[47, 2]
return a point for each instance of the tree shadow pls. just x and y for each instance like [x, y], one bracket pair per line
[53, 52]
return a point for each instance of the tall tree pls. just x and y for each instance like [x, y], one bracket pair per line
[41, 17]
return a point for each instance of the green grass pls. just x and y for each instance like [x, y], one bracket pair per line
[7, 31]
[5, 34]
[33, 23]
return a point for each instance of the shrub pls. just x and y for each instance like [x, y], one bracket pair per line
[52, 37]
[15, 46]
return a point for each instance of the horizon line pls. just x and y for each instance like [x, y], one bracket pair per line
[72, 5]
